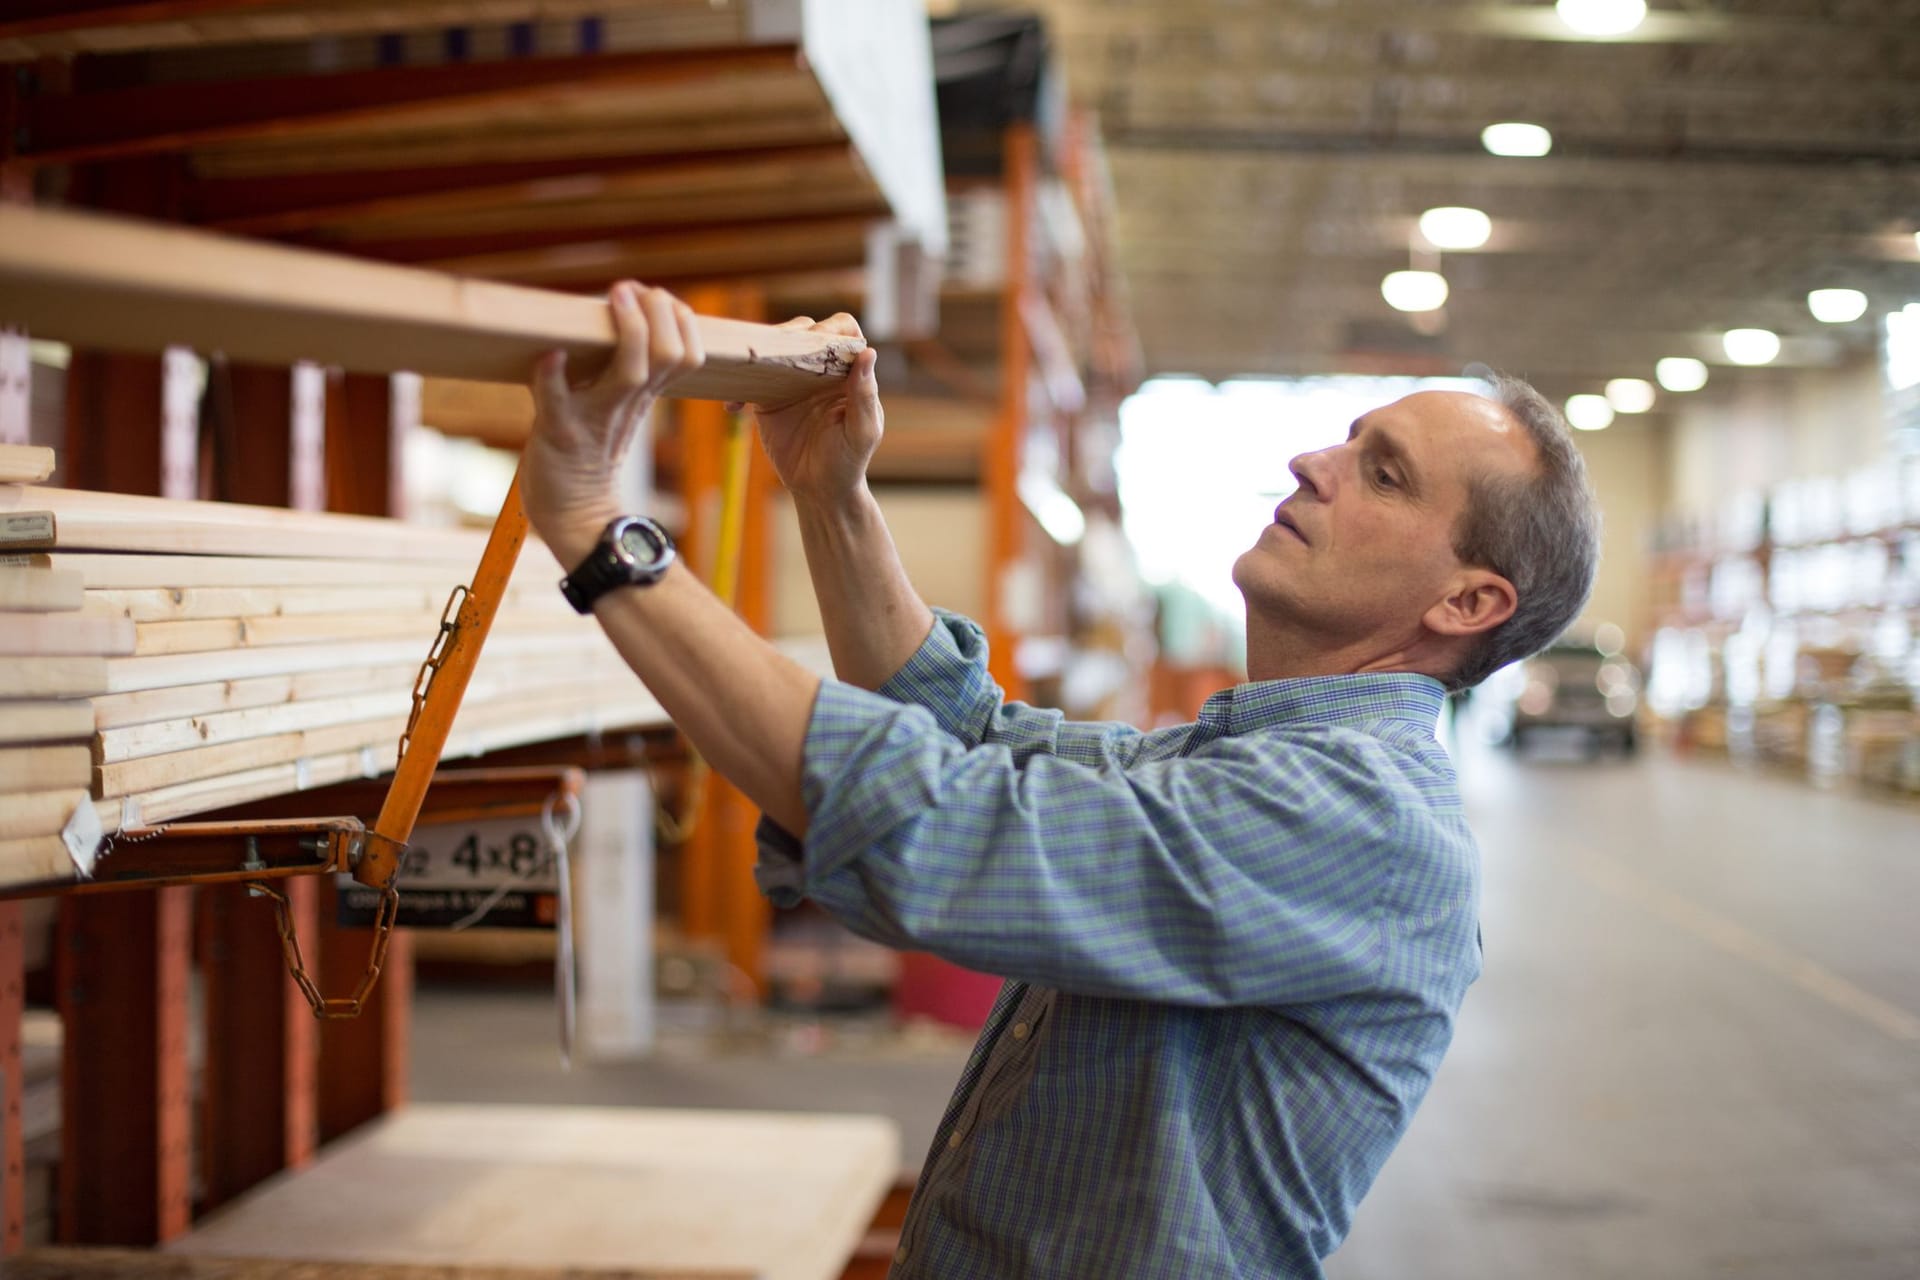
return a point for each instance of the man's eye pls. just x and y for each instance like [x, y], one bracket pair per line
[1385, 478]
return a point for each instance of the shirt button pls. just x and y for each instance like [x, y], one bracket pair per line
[953, 1139]
[1019, 1031]
[900, 1254]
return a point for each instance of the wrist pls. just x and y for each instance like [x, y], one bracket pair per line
[573, 538]
[839, 507]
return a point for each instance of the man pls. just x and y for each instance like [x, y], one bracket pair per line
[1234, 948]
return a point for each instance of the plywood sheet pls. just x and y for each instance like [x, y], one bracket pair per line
[786, 1197]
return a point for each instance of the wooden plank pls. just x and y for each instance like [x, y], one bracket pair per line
[451, 97]
[204, 634]
[40, 590]
[42, 720]
[61, 635]
[677, 257]
[182, 604]
[124, 284]
[25, 463]
[113, 746]
[44, 768]
[123, 522]
[496, 413]
[153, 773]
[168, 572]
[37, 28]
[785, 1197]
[35, 859]
[581, 193]
[805, 122]
[38, 813]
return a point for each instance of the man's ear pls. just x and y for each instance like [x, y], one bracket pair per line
[1478, 600]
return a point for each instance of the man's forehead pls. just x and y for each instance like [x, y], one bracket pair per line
[1435, 410]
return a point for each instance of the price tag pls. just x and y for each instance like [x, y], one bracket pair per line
[453, 870]
[480, 855]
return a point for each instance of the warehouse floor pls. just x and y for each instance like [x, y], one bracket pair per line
[1695, 1051]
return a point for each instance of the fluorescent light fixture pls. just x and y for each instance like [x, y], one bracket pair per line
[1057, 513]
[1589, 413]
[1455, 227]
[1630, 395]
[1751, 346]
[1515, 139]
[1681, 373]
[1837, 306]
[1602, 17]
[1415, 290]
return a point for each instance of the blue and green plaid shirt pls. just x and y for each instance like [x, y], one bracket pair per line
[1234, 951]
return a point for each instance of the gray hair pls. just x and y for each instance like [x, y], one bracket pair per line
[1540, 532]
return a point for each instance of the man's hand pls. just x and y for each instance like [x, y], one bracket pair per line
[581, 435]
[820, 444]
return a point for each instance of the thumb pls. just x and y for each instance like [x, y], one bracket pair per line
[863, 395]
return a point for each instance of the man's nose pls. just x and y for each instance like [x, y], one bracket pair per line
[1310, 469]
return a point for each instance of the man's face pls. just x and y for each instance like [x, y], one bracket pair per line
[1365, 546]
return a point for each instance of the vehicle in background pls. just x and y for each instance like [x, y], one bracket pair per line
[1578, 687]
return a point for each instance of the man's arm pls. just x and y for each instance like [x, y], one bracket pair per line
[742, 703]
[820, 446]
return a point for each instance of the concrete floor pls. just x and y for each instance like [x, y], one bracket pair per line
[1695, 1051]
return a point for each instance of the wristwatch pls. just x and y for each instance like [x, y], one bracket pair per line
[633, 551]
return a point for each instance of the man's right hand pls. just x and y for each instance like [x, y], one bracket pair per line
[821, 443]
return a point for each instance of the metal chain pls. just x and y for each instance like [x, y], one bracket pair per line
[114, 838]
[343, 1006]
[449, 618]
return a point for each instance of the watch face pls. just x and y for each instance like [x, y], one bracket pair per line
[634, 541]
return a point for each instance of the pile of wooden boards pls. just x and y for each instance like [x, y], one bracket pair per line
[162, 658]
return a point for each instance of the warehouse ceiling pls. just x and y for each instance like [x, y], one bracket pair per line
[1271, 157]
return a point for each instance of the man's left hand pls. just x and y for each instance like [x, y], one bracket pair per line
[581, 435]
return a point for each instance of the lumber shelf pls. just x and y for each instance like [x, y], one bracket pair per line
[124, 284]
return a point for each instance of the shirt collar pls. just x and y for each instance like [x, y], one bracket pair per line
[1326, 700]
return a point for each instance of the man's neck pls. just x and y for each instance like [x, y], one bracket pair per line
[1275, 653]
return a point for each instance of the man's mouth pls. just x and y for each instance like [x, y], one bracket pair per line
[1285, 521]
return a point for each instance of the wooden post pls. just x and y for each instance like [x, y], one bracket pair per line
[1001, 467]
[126, 1111]
[13, 1163]
[719, 899]
[260, 1101]
[363, 1060]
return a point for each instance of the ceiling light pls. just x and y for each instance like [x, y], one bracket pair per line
[1515, 139]
[1589, 413]
[1681, 373]
[1837, 306]
[1630, 395]
[1415, 290]
[1602, 17]
[1751, 346]
[1454, 227]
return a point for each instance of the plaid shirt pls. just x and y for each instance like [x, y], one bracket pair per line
[1234, 950]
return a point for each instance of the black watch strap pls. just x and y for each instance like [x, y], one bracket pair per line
[633, 551]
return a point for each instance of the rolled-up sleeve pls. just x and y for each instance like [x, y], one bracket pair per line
[1211, 879]
[948, 676]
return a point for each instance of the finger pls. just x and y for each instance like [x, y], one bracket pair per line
[693, 351]
[664, 347]
[629, 367]
[798, 322]
[550, 389]
[864, 386]
[841, 323]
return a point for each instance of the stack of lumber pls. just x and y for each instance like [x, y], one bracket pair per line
[162, 658]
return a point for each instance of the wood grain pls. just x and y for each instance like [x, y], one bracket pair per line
[25, 463]
[31, 589]
[123, 284]
[44, 768]
[38, 813]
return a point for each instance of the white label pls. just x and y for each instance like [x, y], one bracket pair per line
[481, 855]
